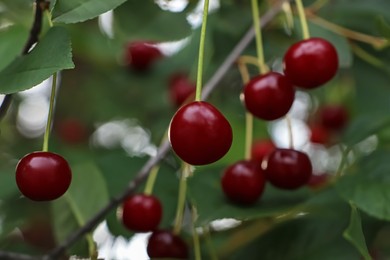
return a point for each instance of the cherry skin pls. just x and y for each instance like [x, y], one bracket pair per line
[141, 54]
[260, 150]
[199, 133]
[243, 182]
[142, 213]
[269, 96]
[311, 63]
[43, 176]
[180, 89]
[165, 244]
[319, 134]
[333, 117]
[72, 131]
[288, 169]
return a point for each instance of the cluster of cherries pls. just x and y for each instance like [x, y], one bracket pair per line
[308, 64]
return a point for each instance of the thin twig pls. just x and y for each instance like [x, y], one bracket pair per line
[164, 148]
[32, 39]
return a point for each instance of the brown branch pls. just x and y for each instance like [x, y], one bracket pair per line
[40, 6]
[15, 256]
[164, 148]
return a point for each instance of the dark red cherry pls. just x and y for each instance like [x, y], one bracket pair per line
[319, 134]
[141, 54]
[72, 131]
[333, 117]
[165, 244]
[243, 182]
[180, 89]
[260, 149]
[311, 63]
[142, 213]
[43, 176]
[269, 96]
[288, 169]
[199, 133]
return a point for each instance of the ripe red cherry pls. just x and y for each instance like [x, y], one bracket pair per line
[72, 131]
[333, 117]
[180, 89]
[43, 176]
[165, 244]
[311, 63]
[140, 55]
[260, 149]
[288, 169]
[319, 134]
[199, 133]
[269, 96]
[142, 213]
[243, 182]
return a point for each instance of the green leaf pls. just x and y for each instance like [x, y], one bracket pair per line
[145, 20]
[354, 233]
[383, 27]
[85, 197]
[52, 54]
[205, 191]
[366, 184]
[74, 11]
[363, 126]
[12, 47]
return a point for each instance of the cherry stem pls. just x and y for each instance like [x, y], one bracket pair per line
[290, 132]
[45, 147]
[302, 19]
[248, 116]
[195, 235]
[209, 243]
[48, 17]
[198, 95]
[182, 198]
[151, 180]
[259, 42]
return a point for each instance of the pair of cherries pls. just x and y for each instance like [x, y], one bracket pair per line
[143, 213]
[308, 64]
[244, 181]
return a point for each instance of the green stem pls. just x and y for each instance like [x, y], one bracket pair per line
[259, 41]
[151, 180]
[209, 243]
[182, 199]
[302, 19]
[48, 17]
[290, 132]
[198, 95]
[45, 147]
[248, 135]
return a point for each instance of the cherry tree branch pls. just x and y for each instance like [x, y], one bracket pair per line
[40, 6]
[164, 148]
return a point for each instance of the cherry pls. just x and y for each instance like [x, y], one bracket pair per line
[243, 182]
[199, 133]
[333, 117]
[141, 54]
[43, 176]
[288, 169]
[180, 89]
[165, 244]
[72, 131]
[269, 96]
[319, 134]
[311, 63]
[260, 149]
[142, 213]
